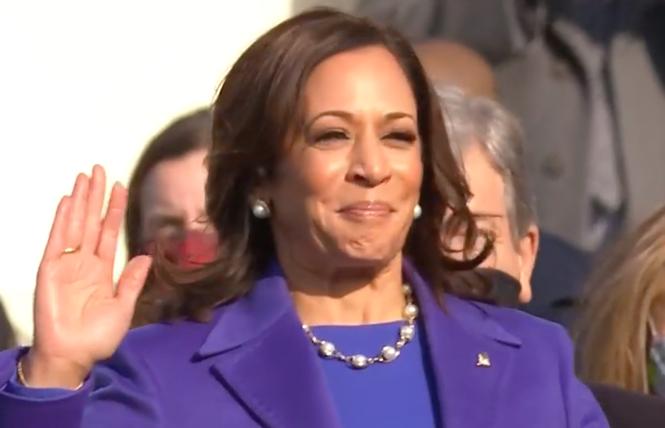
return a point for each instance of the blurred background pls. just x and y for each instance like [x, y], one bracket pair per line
[91, 82]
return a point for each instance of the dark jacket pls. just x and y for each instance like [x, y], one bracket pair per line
[626, 409]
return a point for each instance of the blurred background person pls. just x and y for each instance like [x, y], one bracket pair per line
[103, 94]
[587, 81]
[487, 143]
[493, 141]
[166, 205]
[453, 64]
[620, 334]
[629, 409]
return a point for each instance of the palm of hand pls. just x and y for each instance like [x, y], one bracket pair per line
[78, 308]
[80, 316]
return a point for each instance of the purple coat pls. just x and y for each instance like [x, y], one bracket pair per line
[251, 366]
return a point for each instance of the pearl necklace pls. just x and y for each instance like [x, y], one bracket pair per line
[387, 354]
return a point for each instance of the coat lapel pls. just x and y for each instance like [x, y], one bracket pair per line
[456, 337]
[260, 353]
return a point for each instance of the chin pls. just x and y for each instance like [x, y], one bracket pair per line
[368, 255]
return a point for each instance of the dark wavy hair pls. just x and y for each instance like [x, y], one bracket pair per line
[257, 112]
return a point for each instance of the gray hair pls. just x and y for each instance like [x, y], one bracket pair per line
[478, 120]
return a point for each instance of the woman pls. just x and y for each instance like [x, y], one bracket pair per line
[626, 296]
[166, 205]
[328, 181]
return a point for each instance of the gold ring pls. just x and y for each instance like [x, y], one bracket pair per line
[71, 250]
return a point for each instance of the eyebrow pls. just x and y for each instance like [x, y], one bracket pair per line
[348, 116]
[485, 215]
[163, 219]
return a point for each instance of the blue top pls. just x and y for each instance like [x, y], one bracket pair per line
[396, 394]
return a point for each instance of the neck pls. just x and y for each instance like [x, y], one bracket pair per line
[326, 295]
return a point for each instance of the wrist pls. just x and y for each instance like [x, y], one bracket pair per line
[40, 371]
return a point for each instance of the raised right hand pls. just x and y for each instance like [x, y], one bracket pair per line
[80, 317]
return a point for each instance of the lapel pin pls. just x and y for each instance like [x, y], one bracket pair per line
[483, 360]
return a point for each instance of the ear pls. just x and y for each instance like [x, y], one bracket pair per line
[527, 251]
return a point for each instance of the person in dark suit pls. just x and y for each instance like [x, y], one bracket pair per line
[488, 145]
[331, 303]
[499, 183]
[627, 409]
[558, 280]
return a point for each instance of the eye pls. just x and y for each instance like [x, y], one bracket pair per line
[201, 219]
[165, 225]
[331, 135]
[169, 232]
[401, 136]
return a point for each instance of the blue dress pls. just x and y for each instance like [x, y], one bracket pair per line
[399, 391]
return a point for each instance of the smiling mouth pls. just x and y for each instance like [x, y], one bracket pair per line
[366, 210]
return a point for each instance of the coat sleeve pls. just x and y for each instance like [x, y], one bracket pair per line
[582, 408]
[120, 392]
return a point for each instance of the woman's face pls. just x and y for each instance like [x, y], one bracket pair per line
[344, 193]
[173, 197]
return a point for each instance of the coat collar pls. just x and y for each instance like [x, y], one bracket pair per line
[258, 350]
[457, 335]
[248, 317]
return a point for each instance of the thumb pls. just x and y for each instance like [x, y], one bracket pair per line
[132, 279]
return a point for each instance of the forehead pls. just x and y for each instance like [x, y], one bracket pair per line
[175, 182]
[359, 79]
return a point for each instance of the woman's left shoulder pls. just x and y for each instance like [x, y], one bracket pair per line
[541, 367]
[526, 329]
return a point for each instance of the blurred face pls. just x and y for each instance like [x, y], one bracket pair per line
[488, 204]
[344, 193]
[173, 197]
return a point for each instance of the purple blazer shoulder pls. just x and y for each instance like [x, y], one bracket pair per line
[251, 366]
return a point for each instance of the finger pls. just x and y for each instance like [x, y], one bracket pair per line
[75, 225]
[108, 239]
[94, 209]
[56, 239]
[132, 279]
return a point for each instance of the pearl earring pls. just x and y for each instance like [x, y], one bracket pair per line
[260, 209]
[417, 211]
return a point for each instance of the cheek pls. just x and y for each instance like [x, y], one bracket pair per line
[409, 166]
[305, 182]
[322, 174]
[504, 258]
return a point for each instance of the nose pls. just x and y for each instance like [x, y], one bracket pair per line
[369, 165]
